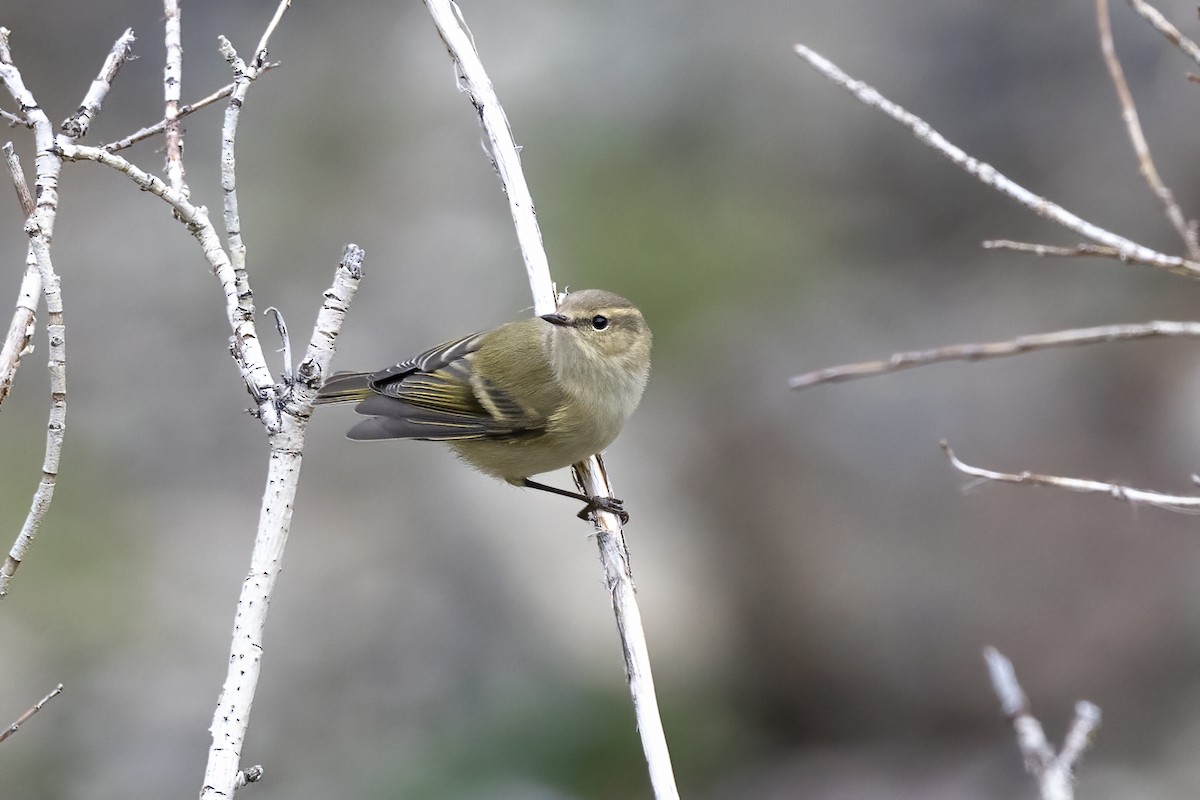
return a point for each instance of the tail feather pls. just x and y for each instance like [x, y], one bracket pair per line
[345, 387]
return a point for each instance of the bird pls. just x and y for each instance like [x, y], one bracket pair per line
[527, 397]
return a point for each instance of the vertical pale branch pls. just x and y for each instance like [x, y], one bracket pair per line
[172, 87]
[473, 80]
[245, 343]
[231, 719]
[39, 227]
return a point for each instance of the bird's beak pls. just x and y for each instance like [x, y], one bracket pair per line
[556, 319]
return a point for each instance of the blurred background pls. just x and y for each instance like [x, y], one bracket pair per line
[817, 583]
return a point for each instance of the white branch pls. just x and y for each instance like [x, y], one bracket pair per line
[1128, 250]
[17, 343]
[1163, 26]
[1137, 138]
[1011, 347]
[1054, 772]
[78, 123]
[34, 709]
[474, 81]
[1184, 504]
[39, 226]
[172, 87]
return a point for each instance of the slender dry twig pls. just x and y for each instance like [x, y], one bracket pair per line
[1182, 504]
[1152, 15]
[78, 123]
[21, 329]
[1042, 250]
[1009, 347]
[21, 720]
[15, 120]
[183, 111]
[172, 85]
[1141, 148]
[1129, 251]
[1054, 772]
[475, 83]
[24, 196]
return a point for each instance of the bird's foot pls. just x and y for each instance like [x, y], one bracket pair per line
[610, 504]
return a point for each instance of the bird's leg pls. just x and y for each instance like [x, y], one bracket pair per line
[609, 504]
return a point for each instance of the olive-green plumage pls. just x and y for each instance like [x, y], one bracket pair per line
[524, 398]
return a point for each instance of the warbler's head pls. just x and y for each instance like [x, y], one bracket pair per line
[600, 338]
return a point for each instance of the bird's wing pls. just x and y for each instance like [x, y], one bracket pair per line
[438, 396]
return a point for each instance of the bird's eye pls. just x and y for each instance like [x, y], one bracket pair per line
[599, 322]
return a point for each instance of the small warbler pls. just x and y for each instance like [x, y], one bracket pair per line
[522, 399]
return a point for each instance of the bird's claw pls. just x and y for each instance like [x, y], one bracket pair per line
[610, 504]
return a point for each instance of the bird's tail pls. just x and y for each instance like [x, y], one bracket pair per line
[345, 387]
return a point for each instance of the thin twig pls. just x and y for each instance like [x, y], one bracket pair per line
[1141, 148]
[78, 123]
[1182, 504]
[1129, 251]
[1174, 36]
[1054, 772]
[475, 83]
[21, 329]
[1008, 347]
[15, 120]
[172, 85]
[190, 108]
[21, 720]
[1043, 250]
[24, 196]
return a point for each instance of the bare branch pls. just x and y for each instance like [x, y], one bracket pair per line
[24, 196]
[21, 720]
[15, 120]
[78, 123]
[172, 85]
[475, 83]
[1129, 250]
[21, 329]
[1152, 15]
[40, 279]
[1011, 347]
[1129, 114]
[1042, 250]
[1182, 504]
[1053, 772]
